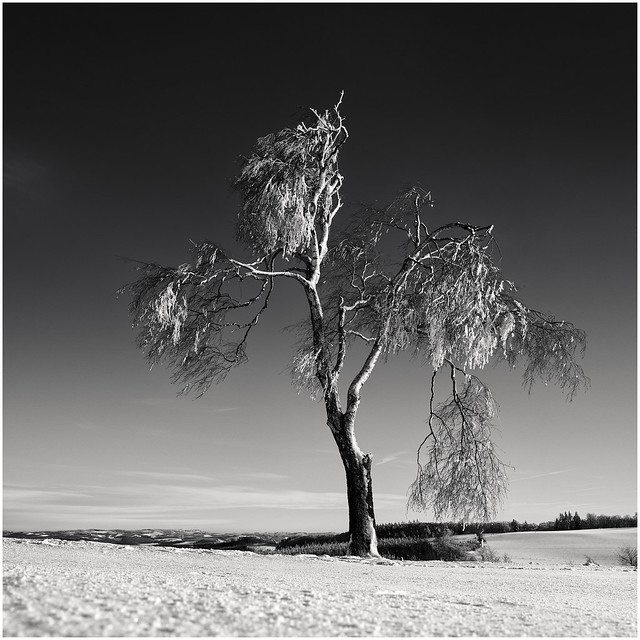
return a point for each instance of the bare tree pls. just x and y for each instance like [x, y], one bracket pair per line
[628, 555]
[385, 283]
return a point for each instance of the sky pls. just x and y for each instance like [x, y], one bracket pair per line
[123, 125]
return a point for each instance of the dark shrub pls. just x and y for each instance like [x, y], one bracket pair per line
[316, 548]
[407, 549]
[628, 555]
[449, 550]
[320, 538]
[404, 530]
[421, 549]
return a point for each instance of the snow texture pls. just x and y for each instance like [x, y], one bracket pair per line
[60, 588]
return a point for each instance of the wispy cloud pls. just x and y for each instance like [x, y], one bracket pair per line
[115, 514]
[326, 452]
[552, 506]
[174, 401]
[167, 476]
[21, 173]
[19, 494]
[157, 502]
[85, 426]
[541, 475]
[164, 401]
[591, 489]
[260, 475]
[392, 457]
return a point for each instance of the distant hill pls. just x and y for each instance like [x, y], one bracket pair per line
[534, 547]
[192, 538]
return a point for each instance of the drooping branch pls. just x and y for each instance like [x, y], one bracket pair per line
[304, 363]
[548, 347]
[194, 317]
[461, 474]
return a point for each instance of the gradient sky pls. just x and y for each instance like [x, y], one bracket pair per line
[122, 128]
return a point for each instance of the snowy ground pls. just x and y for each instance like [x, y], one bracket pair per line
[57, 588]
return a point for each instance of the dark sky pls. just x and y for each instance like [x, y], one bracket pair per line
[122, 128]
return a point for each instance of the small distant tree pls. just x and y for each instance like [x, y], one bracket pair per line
[577, 521]
[565, 521]
[387, 282]
[590, 521]
[628, 555]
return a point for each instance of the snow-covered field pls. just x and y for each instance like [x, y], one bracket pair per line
[564, 547]
[58, 588]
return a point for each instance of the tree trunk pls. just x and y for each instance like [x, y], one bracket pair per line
[362, 522]
[357, 465]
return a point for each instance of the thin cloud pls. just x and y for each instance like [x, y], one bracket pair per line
[392, 457]
[72, 516]
[173, 401]
[162, 502]
[592, 489]
[159, 432]
[21, 174]
[87, 427]
[326, 452]
[541, 475]
[167, 476]
[261, 475]
[179, 476]
[164, 401]
[18, 494]
[550, 507]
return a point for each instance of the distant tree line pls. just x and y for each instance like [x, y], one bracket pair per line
[565, 521]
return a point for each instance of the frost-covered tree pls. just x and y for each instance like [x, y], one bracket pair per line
[387, 282]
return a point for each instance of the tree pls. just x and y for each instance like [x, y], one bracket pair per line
[577, 521]
[590, 522]
[565, 521]
[385, 283]
[628, 555]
